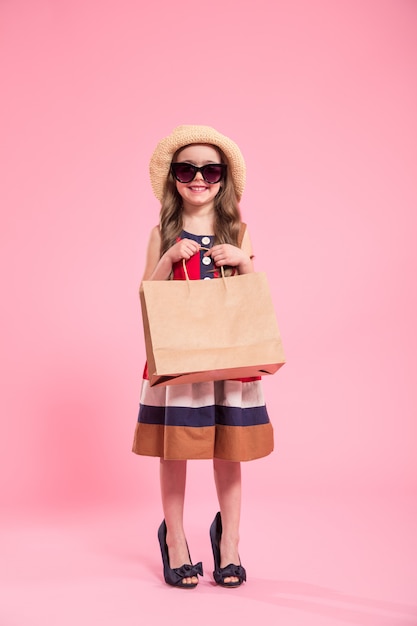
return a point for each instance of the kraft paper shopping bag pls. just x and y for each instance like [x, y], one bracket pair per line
[200, 330]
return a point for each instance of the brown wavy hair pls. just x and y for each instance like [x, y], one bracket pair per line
[227, 218]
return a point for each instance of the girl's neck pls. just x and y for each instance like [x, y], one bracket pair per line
[198, 222]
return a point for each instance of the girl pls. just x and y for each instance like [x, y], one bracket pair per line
[198, 175]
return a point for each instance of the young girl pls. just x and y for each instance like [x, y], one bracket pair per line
[198, 175]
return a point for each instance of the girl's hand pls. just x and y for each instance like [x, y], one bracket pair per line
[184, 249]
[226, 254]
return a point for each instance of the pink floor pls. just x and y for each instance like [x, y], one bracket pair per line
[313, 560]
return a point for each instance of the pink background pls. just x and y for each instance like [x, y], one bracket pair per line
[321, 96]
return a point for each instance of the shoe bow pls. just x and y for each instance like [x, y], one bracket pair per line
[185, 571]
[230, 570]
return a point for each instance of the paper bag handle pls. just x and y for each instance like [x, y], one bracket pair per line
[187, 278]
[239, 243]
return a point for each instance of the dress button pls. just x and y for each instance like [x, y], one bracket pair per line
[205, 241]
[206, 260]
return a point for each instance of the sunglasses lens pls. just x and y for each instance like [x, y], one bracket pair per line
[212, 173]
[183, 172]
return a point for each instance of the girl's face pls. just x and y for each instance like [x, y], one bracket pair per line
[198, 193]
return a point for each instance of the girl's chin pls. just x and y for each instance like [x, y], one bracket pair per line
[199, 202]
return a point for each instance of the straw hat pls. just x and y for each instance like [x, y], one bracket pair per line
[185, 135]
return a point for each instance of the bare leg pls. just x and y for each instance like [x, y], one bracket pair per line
[173, 478]
[227, 476]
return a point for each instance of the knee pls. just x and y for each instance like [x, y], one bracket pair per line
[226, 467]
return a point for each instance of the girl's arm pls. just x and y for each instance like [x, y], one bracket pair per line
[159, 268]
[152, 256]
[247, 266]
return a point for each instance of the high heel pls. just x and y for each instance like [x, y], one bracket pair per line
[174, 576]
[220, 573]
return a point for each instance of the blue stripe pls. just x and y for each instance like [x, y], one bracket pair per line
[203, 416]
[176, 416]
[234, 416]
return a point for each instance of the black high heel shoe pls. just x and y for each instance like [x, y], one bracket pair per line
[220, 573]
[174, 576]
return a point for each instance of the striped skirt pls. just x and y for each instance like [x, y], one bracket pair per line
[222, 419]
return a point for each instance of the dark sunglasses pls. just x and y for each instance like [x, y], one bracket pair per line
[185, 172]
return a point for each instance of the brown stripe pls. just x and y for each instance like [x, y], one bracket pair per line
[174, 442]
[234, 443]
[231, 443]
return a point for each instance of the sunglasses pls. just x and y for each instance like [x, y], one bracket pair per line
[185, 172]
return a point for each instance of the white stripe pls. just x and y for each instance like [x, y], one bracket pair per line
[232, 393]
[244, 395]
[193, 395]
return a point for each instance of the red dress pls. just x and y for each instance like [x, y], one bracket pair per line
[221, 419]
